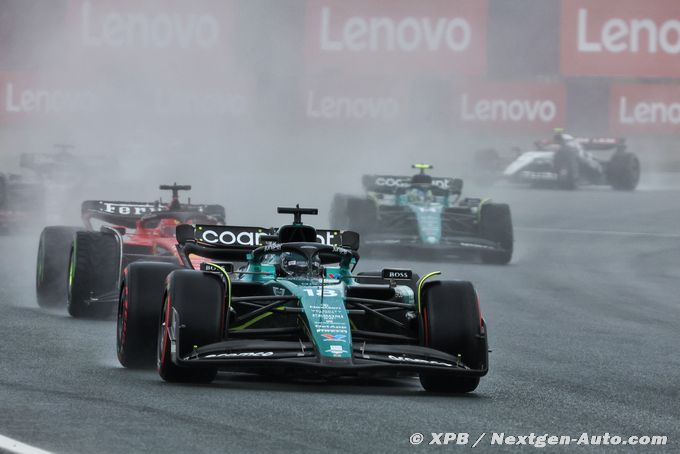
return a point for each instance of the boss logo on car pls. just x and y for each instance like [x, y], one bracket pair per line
[397, 274]
[406, 359]
[239, 355]
[217, 267]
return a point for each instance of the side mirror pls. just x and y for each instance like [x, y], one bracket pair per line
[457, 186]
[184, 233]
[350, 240]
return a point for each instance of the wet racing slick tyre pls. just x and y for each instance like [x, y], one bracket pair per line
[623, 171]
[353, 213]
[198, 299]
[139, 309]
[452, 323]
[51, 275]
[94, 265]
[3, 191]
[495, 224]
[566, 166]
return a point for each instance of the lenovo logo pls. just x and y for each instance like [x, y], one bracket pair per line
[513, 105]
[514, 110]
[409, 34]
[352, 108]
[634, 35]
[621, 37]
[38, 100]
[127, 25]
[384, 36]
[645, 109]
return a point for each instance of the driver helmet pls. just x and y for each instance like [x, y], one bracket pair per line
[168, 227]
[420, 195]
[294, 264]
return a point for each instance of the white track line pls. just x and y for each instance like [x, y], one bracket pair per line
[598, 232]
[11, 445]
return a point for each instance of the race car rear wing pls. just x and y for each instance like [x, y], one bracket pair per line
[590, 143]
[388, 184]
[125, 214]
[226, 242]
[601, 143]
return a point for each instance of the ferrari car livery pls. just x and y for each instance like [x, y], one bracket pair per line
[82, 266]
[295, 307]
[423, 212]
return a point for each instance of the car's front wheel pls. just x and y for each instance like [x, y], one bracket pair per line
[452, 323]
[139, 309]
[194, 305]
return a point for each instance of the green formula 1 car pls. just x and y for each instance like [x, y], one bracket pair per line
[295, 307]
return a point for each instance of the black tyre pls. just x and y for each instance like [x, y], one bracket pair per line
[51, 275]
[412, 284]
[495, 224]
[452, 323]
[94, 265]
[566, 166]
[353, 213]
[362, 215]
[623, 171]
[139, 310]
[3, 191]
[198, 298]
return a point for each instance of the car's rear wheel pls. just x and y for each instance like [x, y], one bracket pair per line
[94, 265]
[623, 171]
[51, 276]
[453, 324]
[198, 300]
[495, 224]
[353, 213]
[139, 310]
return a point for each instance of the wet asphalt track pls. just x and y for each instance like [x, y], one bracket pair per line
[584, 327]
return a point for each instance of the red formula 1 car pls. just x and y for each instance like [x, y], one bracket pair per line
[83, 266]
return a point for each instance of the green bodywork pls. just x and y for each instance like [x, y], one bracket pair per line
[322, 301]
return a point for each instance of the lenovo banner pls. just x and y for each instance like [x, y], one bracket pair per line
[31, 96]
[27, 95]
[510, 106]
[621, 38]
[352, 101]
[171, 34]
[644, 109]
[390, 37]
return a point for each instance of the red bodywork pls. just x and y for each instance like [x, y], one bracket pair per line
[156, 239]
